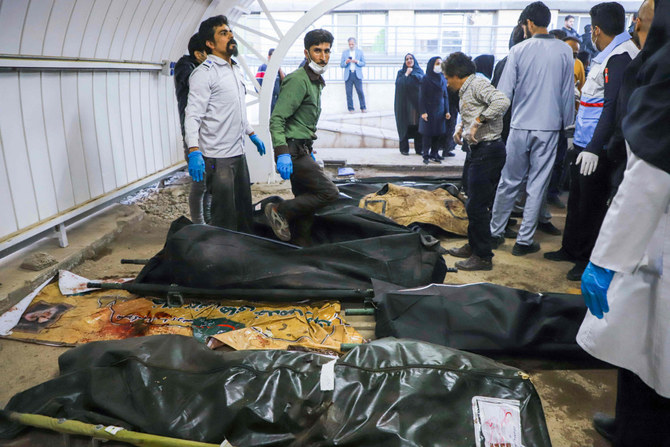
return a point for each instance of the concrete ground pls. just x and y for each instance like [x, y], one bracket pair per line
[570, 391]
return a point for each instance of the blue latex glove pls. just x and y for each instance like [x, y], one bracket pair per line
[259, 144]
[313, 157]
[196, 166]
[595, 282]
[285, 166]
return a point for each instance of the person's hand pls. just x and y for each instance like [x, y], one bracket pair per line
[196, 166]
[408, 71]
[458, 136]
[259, 143]
[588, 161]
[448, 116]
[473, 131]
[285, 166]
[595, 282]
[424, 117]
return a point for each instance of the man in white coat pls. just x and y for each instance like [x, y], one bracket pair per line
[626, 285]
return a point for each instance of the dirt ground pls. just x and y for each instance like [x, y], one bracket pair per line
[570, 392]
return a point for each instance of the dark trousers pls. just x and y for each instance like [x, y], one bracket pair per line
[448, 140]
[412, 133]
[229, 181]
[486, 162]
[466, 167]
[557, 176]
[200, 202]
[354, 81]
[431, 146]
[312, 191]
[587, 206]
[642, 415]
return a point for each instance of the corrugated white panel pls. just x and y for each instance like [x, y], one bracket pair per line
[33, 33]
[168, 28]
[174, 129]
[8, 223]
[56, 143]
[109, 27]
[164, 130]
[145, 28]
[102, 119]
[121, 32]
[16, 155]
[12, 17]
[155, 126]
[89, 137]
[133, 35]
[115, 129]
[127, 127]
[92, 33]
[36, 144]
[156, 25]
[76, 27]
[138, 137]
[73, 137]
[145, 112]
[54, 36]
[189, 26]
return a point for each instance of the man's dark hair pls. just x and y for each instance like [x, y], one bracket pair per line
[536, 12]
[568, 17]
[196, 44]
[610, 17]
[206, 30]
[585, 57]
[350, 39]
[458, 64]
[573, 38]
[316, 37]
[587, 28]
[558, 34]
[271, 51]
[517, 36]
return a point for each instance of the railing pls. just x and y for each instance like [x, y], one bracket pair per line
[385, 52]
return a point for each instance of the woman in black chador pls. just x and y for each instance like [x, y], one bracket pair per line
[407, 85]
[434, 109]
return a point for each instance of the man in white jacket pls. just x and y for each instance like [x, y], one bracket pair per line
[626, 285]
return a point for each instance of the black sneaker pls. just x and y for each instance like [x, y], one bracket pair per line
[497, 241]
[426, 161]
[559, 256]
[434, 160]
[464, 251]
[549, 228]
[605, 426]
[522, 249]
[576, 272]
[510, 234]
[473, 263]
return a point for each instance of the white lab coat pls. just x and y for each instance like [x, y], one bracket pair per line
[633, 241]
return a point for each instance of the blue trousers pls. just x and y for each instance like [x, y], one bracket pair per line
[354, 81]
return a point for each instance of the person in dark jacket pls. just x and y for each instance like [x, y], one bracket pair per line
[406, 106]
[434, 109]
[587, 44]
[199, 200]
[484, 64]
[260, 76]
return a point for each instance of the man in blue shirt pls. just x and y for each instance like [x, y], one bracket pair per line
[353, 61]
[538, 79]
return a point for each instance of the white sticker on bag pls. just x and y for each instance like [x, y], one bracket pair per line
[328, 376]
[497, 422]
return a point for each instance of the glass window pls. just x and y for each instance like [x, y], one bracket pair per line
[372, 33]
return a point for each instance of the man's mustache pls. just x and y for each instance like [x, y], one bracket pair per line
[232, 42]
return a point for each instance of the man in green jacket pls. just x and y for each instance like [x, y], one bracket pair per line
[293, 129]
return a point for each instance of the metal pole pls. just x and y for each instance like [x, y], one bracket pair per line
[101, 431]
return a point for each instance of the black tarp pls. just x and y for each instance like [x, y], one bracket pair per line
[485, 318]
[387, 393]
[208, 257]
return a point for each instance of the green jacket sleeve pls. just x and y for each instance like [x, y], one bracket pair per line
[291, 95]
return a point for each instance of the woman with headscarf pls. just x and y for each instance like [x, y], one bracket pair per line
[407, 84]
[434, 109]
[626, 286]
